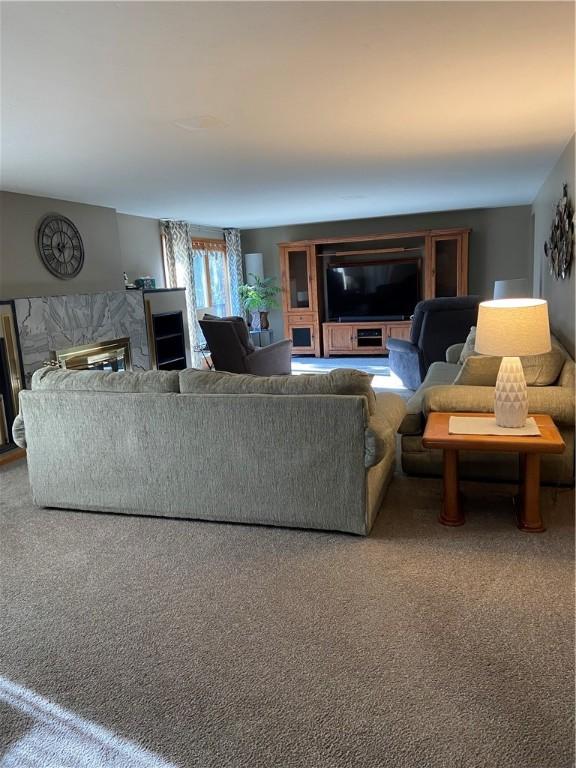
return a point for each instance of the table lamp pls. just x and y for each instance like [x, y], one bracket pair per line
[511, 329]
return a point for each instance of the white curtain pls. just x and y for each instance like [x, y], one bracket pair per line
[179, 261]
[235, 271]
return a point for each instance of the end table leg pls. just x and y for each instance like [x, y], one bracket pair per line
[530, 518]
[451, 508]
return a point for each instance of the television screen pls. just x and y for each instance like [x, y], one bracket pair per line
[380, 291]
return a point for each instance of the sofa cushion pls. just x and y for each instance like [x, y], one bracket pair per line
[18, 432]
[557, 402]
[390, 407]
[377, 444]
[342, 381]
[539, 370]
[438, 374]
[107, 381]
[380, 434]
[468, 349]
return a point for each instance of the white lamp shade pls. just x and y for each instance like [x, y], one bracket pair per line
[511, 289]
[254, 266]
[513, 328]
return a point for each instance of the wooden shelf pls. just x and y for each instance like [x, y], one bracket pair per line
[169, 340]
[371, 251]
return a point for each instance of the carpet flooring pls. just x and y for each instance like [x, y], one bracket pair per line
[133, 642]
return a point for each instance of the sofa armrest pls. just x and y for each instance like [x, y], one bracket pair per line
[401, 345]
[557, 402]
[453, 353]
[404, 361]
[273, 360]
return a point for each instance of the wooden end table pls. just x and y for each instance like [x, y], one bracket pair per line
[529, 449]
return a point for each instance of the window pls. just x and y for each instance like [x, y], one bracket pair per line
[211, 283]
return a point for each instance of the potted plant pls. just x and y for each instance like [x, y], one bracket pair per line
[258, 298]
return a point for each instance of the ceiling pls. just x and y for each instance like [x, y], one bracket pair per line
[255, 114]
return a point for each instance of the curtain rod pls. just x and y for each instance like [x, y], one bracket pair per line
[200, 226]
[212, 229]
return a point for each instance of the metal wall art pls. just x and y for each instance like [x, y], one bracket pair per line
[559, 249]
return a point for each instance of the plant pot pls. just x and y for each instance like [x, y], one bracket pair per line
[264, 322]
[255, 322]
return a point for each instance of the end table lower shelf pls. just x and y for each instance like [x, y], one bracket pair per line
[529, 449]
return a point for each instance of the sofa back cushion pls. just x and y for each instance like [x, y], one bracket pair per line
[468, 348]
[53, 379]
[240, 328]
[342, 381]
[539, 370]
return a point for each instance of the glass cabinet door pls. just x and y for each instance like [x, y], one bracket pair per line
[302, 337]
[446, 261]
[298, 279]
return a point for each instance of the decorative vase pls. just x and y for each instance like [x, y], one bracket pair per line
[264, 322]
[255, 324]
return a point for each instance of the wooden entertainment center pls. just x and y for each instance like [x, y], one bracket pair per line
[442, 258]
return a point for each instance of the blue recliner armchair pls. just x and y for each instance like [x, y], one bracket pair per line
[436, 324]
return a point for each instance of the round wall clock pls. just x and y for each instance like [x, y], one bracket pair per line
[60, 246]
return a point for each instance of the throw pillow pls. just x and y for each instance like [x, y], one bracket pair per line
[342, 381]
[539, 370]
[468, 348]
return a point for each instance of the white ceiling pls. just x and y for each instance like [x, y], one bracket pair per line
[292, 112]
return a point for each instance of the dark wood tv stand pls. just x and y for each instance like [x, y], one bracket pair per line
[441, 253]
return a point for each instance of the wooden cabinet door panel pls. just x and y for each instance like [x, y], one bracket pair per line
[400, 331]
[304, 338]
[340, 337]
[448, 265]
[298, 280]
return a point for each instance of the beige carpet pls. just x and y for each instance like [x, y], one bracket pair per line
[149, 643]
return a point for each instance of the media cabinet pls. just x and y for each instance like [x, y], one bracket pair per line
[361, 338]
[441, 253]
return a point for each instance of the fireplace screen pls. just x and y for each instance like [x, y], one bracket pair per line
[113, 355]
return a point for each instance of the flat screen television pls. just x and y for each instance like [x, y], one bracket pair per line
[372, 291]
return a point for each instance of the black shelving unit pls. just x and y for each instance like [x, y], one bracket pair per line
[169, 341]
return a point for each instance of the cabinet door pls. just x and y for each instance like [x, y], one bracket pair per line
[304, 338]
[445, 260]
[339, 338]
[449, 265]
[298, 279]
[400, 331]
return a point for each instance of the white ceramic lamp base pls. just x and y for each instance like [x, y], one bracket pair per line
[511, 396]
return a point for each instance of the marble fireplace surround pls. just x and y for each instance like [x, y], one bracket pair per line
[47, 323]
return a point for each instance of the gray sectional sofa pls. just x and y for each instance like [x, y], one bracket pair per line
[465, 383]
[314, 451]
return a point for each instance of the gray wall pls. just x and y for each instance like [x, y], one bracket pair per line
[21, 271]
[500, 242]
[140, 248]
[558, 293]
[112, 243]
